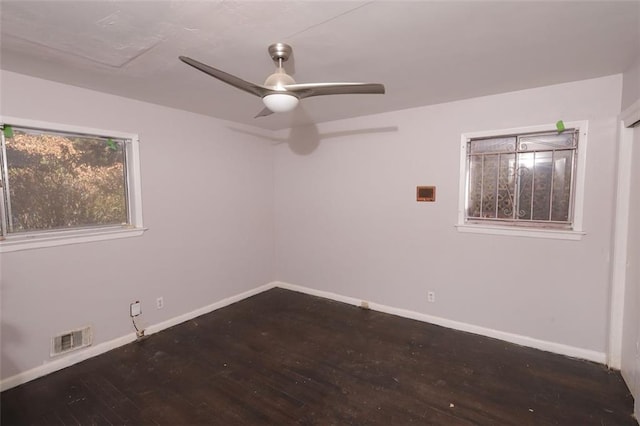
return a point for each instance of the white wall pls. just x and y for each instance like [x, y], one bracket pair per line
[631, 321]
[631, 329]
[631, 85]
[208, 203]
[347, 221]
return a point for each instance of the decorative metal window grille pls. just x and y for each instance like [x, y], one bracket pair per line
[525, 179]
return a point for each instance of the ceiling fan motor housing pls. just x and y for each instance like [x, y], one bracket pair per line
[280, 51]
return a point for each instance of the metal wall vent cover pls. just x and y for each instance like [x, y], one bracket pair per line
[71, 341]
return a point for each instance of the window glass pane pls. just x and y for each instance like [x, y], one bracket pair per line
[547, 142]
[59, 181]
[506, 186]
[489, 186]
[504, 144]
[475, 186]
[562, 168]
[525, 179]
[542, 185]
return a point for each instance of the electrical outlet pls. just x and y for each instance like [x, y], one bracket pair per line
[135, 308]
[159, 303]
[431, 296]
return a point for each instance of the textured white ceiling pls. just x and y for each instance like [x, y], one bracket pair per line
[424, 52]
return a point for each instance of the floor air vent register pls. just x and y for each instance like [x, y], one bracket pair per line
[71, 341]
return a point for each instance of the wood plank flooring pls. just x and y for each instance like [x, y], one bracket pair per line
[285, 358]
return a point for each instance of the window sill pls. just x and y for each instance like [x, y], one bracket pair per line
[558, 234]
[52, 239]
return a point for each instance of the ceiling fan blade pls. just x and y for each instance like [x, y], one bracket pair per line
[254, 89]
[265, 111]
[306, 90]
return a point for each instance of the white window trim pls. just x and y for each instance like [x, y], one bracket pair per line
[576, 233]
[34, 240]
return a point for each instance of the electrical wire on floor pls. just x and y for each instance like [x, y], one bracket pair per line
[139, 333]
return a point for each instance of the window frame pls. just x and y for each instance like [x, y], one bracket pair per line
[523, 229]
[57, 237]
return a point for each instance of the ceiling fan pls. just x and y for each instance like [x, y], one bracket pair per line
[280, 92]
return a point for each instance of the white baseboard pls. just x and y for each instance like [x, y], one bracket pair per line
[92, 351]
[206, 309]
[559, 348]
[65, 361]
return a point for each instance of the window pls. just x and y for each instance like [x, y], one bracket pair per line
[523, 181]
[62, 185]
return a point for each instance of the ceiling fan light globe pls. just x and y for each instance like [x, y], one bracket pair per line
[280, 102]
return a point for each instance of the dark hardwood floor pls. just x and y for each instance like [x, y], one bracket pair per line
[286, 358]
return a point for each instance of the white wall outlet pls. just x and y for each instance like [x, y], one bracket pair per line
[135, 308]
[431, 296]
[159, 303]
